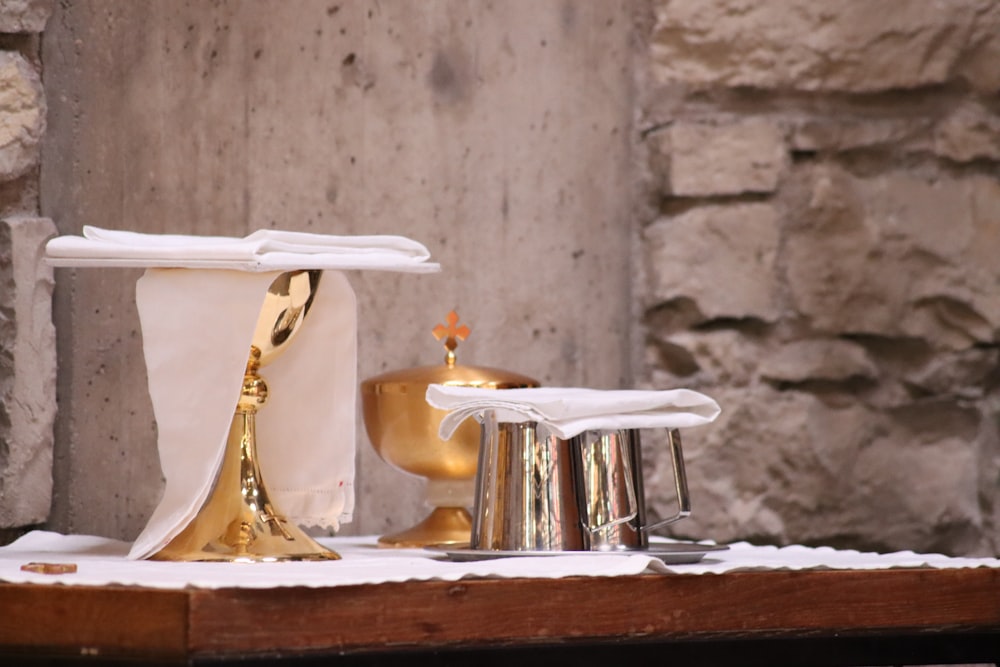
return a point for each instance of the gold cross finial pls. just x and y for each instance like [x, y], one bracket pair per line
[454, 334]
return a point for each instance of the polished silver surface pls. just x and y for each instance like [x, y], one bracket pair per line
[608, 475]
[525, 493]
[549, 494]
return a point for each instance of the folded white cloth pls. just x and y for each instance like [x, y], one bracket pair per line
[264, 250]
[569, 411]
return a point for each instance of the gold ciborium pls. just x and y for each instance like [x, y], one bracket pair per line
[239, 522]
[403, 429]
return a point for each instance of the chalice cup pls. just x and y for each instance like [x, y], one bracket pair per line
[239, 522]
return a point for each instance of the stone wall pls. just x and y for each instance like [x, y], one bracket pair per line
[27, 336]
[820, 247]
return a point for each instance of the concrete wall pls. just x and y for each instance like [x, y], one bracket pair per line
[820, 247]
[498, 134]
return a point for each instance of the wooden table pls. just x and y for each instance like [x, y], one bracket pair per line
[905, 616]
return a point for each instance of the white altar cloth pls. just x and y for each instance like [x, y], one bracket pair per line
[101, 561]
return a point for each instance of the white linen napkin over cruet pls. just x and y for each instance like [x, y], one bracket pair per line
[568, 411]
[198, 303]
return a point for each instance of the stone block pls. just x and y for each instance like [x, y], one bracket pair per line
[822, 360]
[27, 372]
[24, 16]
[853, 45]
[856, 237]
[724, 159]
[841, 133]
[22, 115]
[962, 373]
[970, 132]
[725, 357]
[944, 515]
[721, 257]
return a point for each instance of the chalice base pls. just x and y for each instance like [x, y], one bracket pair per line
[238, 523]
[445, 525]
[270, 543]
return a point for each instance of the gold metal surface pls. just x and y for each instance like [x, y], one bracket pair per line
[403, 430]
[238, 522]
[452, 334]
[445, 525]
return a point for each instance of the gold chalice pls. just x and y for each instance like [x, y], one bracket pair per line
[239, 522]
[403, 429]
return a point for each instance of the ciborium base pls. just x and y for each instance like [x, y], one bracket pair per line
[445, 525]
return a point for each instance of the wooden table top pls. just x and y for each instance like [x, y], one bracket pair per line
[199, 624]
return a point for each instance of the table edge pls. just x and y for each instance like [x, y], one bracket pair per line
[498, 612]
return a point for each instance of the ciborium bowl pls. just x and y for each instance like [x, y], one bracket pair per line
[403, 430]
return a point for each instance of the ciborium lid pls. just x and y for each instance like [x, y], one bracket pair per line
[417, 379]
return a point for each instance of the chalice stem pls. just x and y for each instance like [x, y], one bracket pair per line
[252, 487]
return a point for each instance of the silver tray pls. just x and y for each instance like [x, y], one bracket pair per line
[678, 553]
